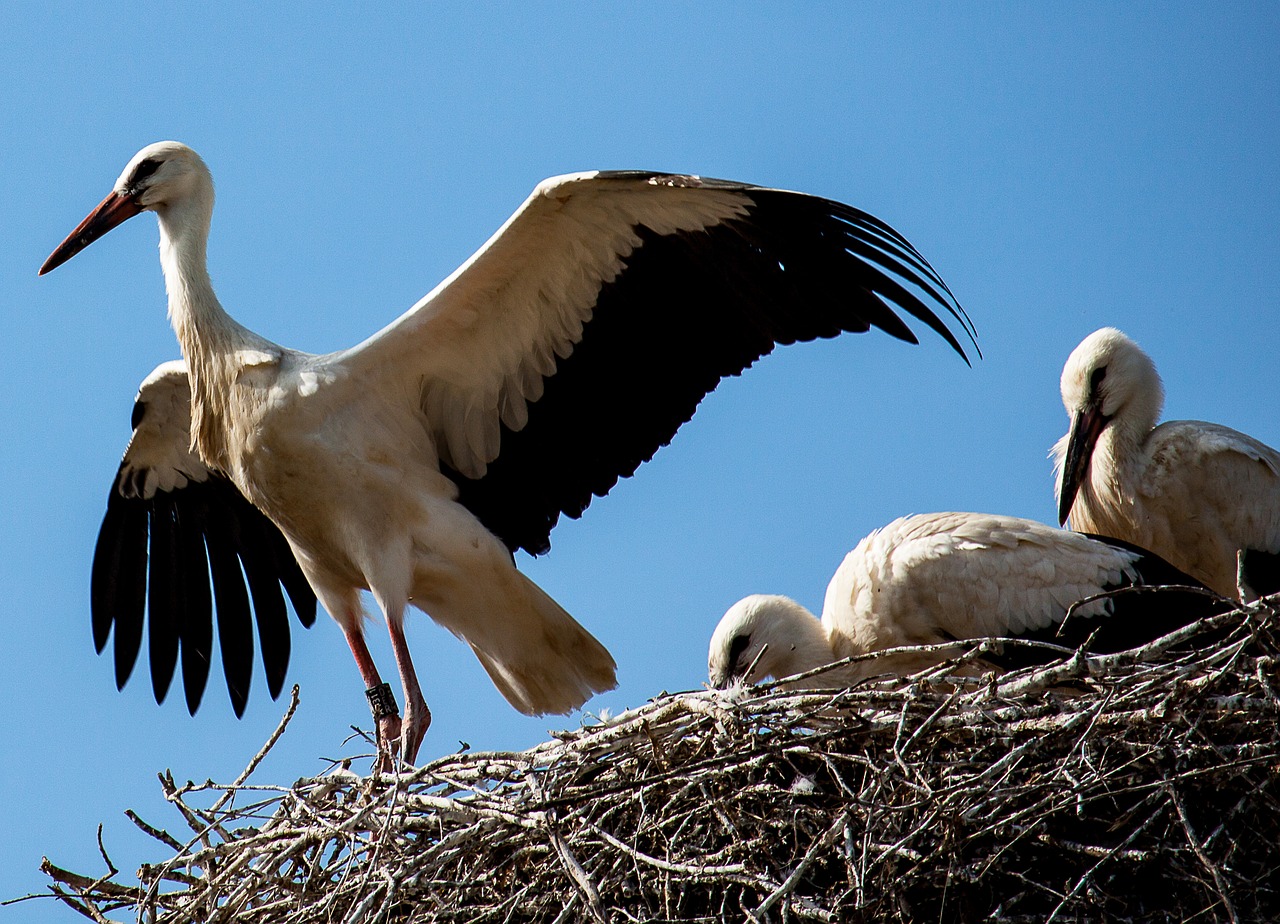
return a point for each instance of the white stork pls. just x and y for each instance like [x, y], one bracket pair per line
[1203, 496]
[559, 357]
[935, 578]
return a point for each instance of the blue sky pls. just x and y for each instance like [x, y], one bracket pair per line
[1063, 166]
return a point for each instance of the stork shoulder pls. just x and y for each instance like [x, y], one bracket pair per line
[1206, 451]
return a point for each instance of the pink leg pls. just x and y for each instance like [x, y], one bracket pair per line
[388, 722]
[417, 717]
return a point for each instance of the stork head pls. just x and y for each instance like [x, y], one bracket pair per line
[159, 177]
[1108, 382]
[765, 636]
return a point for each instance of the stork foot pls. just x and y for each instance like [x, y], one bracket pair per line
[387, 730]
[417, 719]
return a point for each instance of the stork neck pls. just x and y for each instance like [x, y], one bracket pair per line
[203, 327]
[802, 643]
[211, 339]
[1125, 438]
[1121, 456]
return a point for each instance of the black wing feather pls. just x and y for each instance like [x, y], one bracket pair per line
[118, 583]
[106, 600]
[196, 631]
[258, 560]
[235, 631]
[164, 604]
[301, 596]
[687, 310]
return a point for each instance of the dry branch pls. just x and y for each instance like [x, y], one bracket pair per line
[1131, 787]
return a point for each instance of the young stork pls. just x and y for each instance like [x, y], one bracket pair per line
[935, 578]
[558, 358]
[1203, 496]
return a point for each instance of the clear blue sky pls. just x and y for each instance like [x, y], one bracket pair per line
[1063, 166]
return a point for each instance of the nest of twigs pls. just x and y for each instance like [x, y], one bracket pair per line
[1132, 787]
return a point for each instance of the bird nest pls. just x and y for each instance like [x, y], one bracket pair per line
[1132, 787]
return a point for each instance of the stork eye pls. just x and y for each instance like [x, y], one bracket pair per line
[736, 649]
[1095, 380]
[145, 168]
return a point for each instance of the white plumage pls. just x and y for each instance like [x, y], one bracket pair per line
[558, 358]
[934, 578]
[1194, 493]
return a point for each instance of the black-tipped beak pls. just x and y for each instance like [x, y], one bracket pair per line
[1086, 426]
[116, 209]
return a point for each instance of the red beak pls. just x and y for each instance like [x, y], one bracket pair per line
[116, 209]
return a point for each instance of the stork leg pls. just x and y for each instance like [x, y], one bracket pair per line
[388, 722]
[417, 717]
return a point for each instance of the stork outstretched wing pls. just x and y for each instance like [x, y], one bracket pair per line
[574, 344]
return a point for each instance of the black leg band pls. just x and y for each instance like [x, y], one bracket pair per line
[382, 701]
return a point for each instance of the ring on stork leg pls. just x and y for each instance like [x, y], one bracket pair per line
[382, 702]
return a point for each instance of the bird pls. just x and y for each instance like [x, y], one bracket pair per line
[560, 356]
[931, 579]
[1201, 495]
